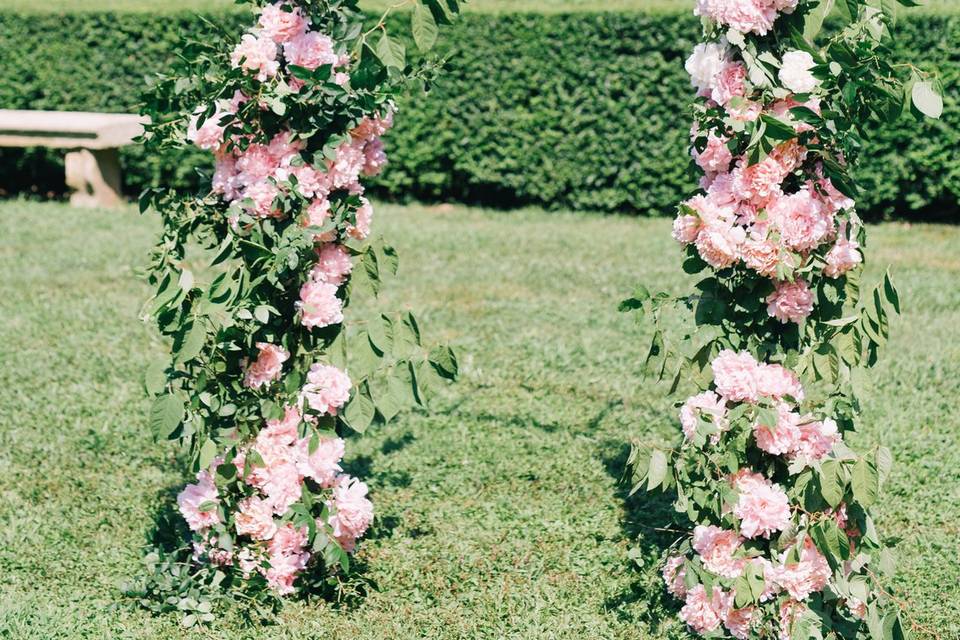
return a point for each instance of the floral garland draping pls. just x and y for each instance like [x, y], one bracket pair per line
[782, 544]
[267, 370]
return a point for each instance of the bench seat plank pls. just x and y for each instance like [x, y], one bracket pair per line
[68, 129]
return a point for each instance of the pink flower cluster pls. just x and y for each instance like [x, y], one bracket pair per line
[745, 16]
[267, 367]
[746, 214]
[274, 467]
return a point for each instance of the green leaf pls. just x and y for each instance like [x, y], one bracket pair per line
[926, 99]
[813, 21]
[657, 469]
[192, 343]
[370, 71]
[866, 482]
[831, 486]
[360, 410]
[166, 414]
[890, 292]
[444, 360]
[155, 377]
[391, 51]
[778, 129]
[208, 451]
[424, 27]
[884, 460]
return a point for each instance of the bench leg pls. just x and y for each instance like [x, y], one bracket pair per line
[94, 176]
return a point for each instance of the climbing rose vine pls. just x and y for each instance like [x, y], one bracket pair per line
[782, 543]
[270, 369]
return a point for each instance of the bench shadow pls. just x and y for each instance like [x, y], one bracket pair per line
[650, 528]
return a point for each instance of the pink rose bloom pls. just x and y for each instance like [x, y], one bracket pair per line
[715, 157]
[795, 72]
[762, 507]
[287, 558]
[254, 518]
[256, 163]
[707, 404]
[209, 135]
[736, 376]
[816, 440]
[780, 438]
[759, 183]
[317, 215]
[832, 200]
[319, 304]
[807, 576]
[194, 495]
[858, 608]
[374, 157]
[717, 547]
[673, 576]
[323, 465]
[704, 613]
[262, 194]
[225, 179]
[352, 511]
[801, 220]
[283, 149]
[738, 622]
[346, 167]
[327, 389]
[705, 64]
[364, 218]
[333, 264]
[310, 183]
[282, 26]
[776, 381]
[843, 256]
[257, 55]
[282, 432]
[761, 255]
[282, 486]
[748, 111]
[268, 366]
[718, 243]
[745, 16]
[371, 127]
[790, 301]
[686, 228]
[310, 50]
[729, 83]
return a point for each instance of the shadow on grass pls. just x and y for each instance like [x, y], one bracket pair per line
[649, 527]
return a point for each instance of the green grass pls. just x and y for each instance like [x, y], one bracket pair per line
[475, 6]
[499, 514]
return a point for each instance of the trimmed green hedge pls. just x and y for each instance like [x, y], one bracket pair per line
[582, 111]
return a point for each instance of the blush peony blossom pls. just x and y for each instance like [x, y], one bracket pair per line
[287, 558]
[780, 438]
[254, 518]
[801, 220]
[717, 547]
[745, 16]
[257, 55]
[323, 465]
[194, 497]
[281, 25]
[352, 512]
[708, 405]
[319, 304]
[809, 575]
[738, 622]
[364, 218]
[729, 83]
[686, 228]
[705, 63]
[310, 50]
[795, 72]
[718, 243]
[333, 264]
[790, 302]
[715, 157]
[778, 382]
[816, 441]
[843, 256]
[705, 613]
[763, 508]
[327, 389]
[736, 376]
[267, 367]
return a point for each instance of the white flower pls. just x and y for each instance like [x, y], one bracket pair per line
[705, 63]
[795, 72]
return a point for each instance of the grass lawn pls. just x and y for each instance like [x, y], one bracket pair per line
[499, 514]
[478, 6]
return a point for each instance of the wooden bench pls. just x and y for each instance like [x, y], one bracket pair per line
[92, 139]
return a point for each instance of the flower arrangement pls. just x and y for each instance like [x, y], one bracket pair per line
[269, 370]
[782, 543]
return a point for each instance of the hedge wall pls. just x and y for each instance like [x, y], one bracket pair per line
[583, 111]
